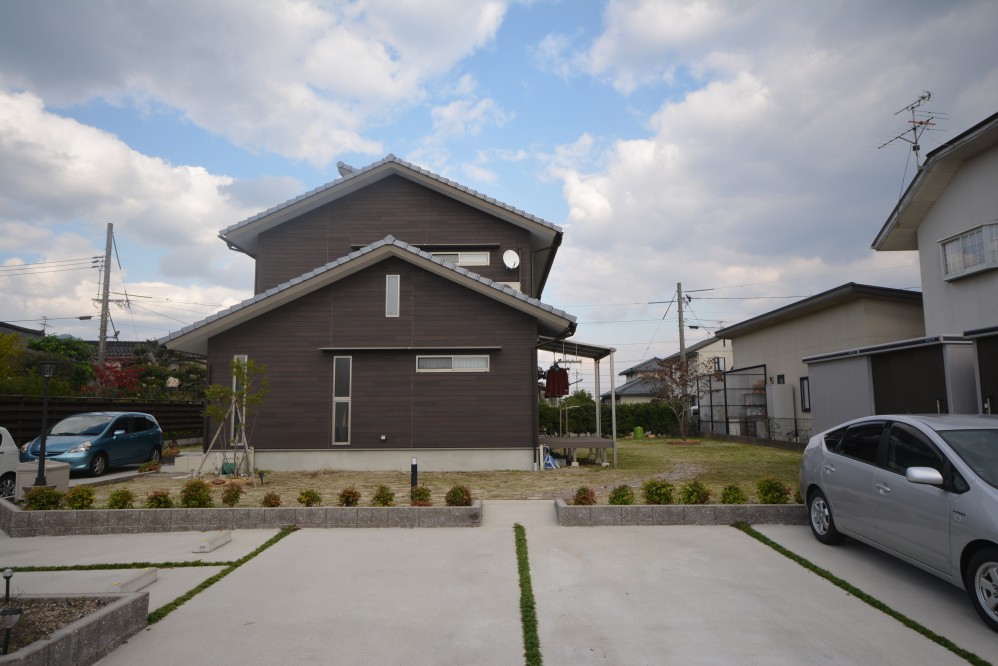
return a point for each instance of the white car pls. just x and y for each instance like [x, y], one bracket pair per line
[8, 463]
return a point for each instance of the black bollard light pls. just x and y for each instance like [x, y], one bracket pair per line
[7, 575]
[8, 618]
[413, 474]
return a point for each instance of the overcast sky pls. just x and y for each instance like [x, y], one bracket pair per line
[730, 146]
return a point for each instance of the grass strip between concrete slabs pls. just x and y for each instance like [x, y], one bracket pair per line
[165, 610]
[863, 596]
[528, 610]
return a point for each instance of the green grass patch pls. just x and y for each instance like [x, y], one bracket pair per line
[528, 610]
[863, 596]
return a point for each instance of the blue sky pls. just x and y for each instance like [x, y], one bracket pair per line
[725, 145]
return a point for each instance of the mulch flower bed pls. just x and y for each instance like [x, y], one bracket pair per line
[43, 617]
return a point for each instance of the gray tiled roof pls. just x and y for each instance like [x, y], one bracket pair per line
[389, 159]
[636, 387]
[388, 240]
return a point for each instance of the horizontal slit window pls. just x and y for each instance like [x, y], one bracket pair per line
[476, 363]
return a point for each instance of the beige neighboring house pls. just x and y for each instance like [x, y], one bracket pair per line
[639, 381]
[767, 391]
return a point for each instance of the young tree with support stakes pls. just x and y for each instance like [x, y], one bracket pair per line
[678, 382]
[234, 405]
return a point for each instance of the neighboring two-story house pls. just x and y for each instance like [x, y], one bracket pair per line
[397, 314]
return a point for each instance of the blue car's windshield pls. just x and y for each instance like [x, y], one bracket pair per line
[979, 449]
[81, 424]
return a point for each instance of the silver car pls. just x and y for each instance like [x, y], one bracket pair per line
[921, 488]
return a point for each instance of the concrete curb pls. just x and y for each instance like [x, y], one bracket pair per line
[90, 638]
[679, 514]
[19, 523]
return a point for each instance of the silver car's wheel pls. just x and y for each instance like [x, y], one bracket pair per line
[822, 522]
[982, 585]
[7, 485]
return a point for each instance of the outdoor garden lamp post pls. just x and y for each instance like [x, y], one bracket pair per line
[8, 617]
[48, 369]
[7, 575]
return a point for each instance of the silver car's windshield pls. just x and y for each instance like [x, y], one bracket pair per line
[81, 424]
[979, 449]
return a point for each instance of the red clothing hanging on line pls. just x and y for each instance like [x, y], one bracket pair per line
[557, 382]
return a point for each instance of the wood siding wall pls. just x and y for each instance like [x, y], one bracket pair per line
[388, 397]
[393, 206]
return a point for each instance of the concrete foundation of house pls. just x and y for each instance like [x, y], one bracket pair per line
[380, 460]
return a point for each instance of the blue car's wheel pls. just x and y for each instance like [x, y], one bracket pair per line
[98, 464]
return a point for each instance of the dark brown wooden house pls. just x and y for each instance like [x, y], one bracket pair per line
[397, 314]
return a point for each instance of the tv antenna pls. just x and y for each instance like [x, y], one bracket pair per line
[920, 122]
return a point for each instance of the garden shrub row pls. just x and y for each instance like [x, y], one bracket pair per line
[196, 494]
[769, 491]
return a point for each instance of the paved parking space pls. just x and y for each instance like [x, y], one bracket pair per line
[619, 595]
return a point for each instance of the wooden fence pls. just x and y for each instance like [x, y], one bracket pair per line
[22, 415]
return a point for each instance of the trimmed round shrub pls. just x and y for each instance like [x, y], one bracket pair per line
[42, 498]
[420, 496]
[733, 494]
[584, 496]
[458, 496]
[123, 498]
[79, 497]
[383, 496]
[158, 499]
[798, 498]
[694, 492]
[622, 495]
[349, 496]
[231, 494]
[657, 492]
[772, 491]
[310, 497]
[196, 494]
[271, 500]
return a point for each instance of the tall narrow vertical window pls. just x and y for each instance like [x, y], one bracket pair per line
[239, 362]
[342, 368]
[805, 394]
[391, 295]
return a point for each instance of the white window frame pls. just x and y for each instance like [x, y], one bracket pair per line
[338, 400]
[488, 362]
[474, 258]
[392, 297]
[969, 252]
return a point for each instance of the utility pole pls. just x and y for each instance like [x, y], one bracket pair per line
[105, 296]
[682, 333]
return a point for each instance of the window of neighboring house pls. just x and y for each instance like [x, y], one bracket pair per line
[719, 364]
[805, 394]
[452, 364]
[970, 252]
[464, 258]
[391, 295]
[237, 387]
[342, 369]
[781, 379]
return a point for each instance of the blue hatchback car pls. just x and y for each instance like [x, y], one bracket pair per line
[96, 441]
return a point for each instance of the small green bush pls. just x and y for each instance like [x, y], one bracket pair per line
[772, 491]
[158, 499]
[310, 497]
[123, 498]
[458, 496]
[733, 494]
[694, 492]
[349, 496]
[657, 492]
[151, 466]
[79, 497]
[798, 498]
[584, 496]
[231, 494]
[271, 500]
[383, 496]
[622, 495]
[420, 496]
[42, 498]
[196, 494]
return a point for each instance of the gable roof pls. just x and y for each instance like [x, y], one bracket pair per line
[194, 338]
[900, 232]
[644, 366]
[641, 387]
[826, 299]
[694, 348]
[545, 238]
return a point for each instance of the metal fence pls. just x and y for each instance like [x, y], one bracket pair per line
[22, 415]
[736, 405]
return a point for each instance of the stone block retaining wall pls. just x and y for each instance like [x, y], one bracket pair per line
[680, 514]
[90, 638]
[19, 523]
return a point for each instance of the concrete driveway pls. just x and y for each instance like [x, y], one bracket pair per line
[613, 595]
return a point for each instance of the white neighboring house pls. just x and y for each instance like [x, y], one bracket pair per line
[949, 215]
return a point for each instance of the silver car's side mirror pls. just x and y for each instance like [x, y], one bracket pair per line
[925, 475]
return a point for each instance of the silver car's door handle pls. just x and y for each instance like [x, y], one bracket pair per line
[829, 468]
[883, 488]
